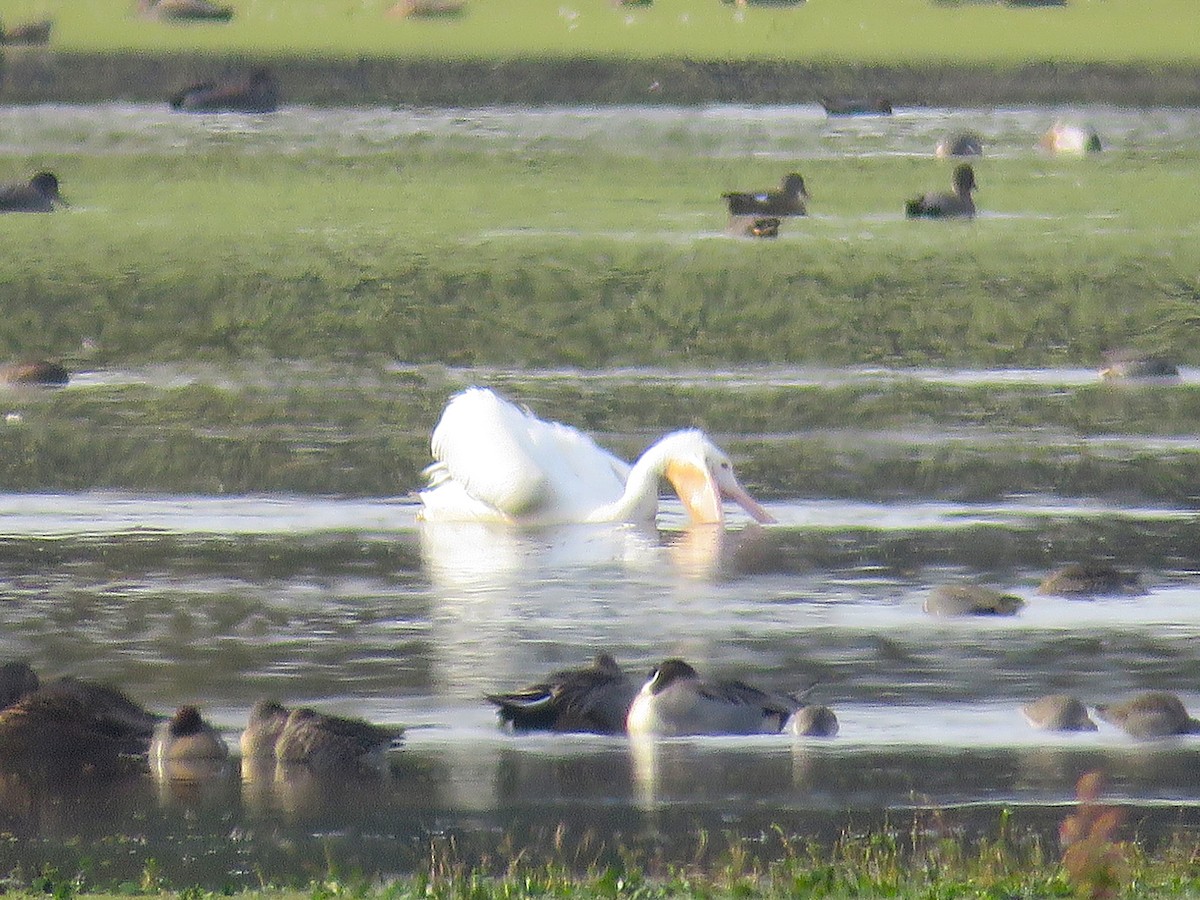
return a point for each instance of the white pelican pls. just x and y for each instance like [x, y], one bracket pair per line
[497, 462]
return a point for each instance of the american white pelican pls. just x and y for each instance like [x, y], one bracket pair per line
[1069, 140]
[497, 462]
[675, 702]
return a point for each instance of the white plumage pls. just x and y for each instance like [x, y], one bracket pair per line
[495, 461]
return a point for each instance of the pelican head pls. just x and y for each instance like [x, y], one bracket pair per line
[701, 475]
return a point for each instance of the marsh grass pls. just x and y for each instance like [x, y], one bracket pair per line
[928, 861]
[445, 252]
[890, 31]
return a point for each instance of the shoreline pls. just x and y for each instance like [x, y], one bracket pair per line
[38, 75]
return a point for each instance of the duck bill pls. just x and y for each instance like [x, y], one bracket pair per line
[698, 492]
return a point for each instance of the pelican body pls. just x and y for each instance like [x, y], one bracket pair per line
[957, 204]
[676, 702]
[497, 462]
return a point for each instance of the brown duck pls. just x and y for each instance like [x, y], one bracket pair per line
[39, 194]
[957, 204]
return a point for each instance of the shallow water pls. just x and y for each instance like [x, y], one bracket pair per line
[352, 604]
[343, 599]
[732, 131]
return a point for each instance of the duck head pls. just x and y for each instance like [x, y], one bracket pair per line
[668, 672]
[46, 184]
[793, 186]
[964, 179]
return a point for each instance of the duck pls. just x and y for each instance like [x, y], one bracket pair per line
[107, 705]
[942, 205]
[497, 462]
[1154, 714]
[1090, 579]
[185, 10]
[1070, 140]
[676, 702]
[186, 737]
[594, 700]
[59, 730]
[325, 744]
[257, 92]
[427, 9]
[39, 194]
[16, 680]
[1151, 367]
[970, 600]
[856, 106]
[966, 143]
[1058, 712]
[42, 372]
[258, 739]
[754, 226]
[29, 34]
[812, 720]
[787, 201]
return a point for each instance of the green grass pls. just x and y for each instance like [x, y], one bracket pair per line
[454, 253]
[933, 863]
[882, 31]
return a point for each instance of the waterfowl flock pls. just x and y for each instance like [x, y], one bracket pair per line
[68, 723]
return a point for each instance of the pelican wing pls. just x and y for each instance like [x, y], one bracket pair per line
[505, 458]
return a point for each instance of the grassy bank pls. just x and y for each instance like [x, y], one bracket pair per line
[77, 76]
[679, 51]
[1149, 32]
[924, 863]
[446, 253]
